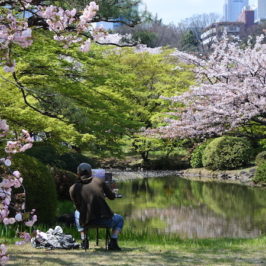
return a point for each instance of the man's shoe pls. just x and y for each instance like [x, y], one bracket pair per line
[85, 244]
[113, 245]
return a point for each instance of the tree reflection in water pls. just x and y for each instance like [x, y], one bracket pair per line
[193, 209]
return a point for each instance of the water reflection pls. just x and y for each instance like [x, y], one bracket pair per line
[193, 209]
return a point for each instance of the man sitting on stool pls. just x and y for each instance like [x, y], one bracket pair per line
[88, 196]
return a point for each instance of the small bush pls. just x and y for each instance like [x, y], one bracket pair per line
[40, 187]
[196, 156]
[70, 161]
[63, 181]
[44, 152]
[260, 158]
[166, 163]
[260, 175]
[227, 153]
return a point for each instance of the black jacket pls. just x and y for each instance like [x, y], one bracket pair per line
[88, 196]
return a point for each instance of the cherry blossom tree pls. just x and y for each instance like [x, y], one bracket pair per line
[12, 211]
[230, 94]
[69, 27]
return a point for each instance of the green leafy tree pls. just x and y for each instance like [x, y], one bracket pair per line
[68, 96]
[188, 41]
[152, 75]
[91, 100]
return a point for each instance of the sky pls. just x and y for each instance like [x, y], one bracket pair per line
[173, 11]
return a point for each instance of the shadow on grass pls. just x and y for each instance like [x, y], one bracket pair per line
[181, 252]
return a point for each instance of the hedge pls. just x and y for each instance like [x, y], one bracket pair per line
[40, 187]
[227, 153]
[260, 175]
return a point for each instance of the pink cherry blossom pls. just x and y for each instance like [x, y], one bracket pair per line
[7, 201]
[16, 183]
[230, 92]
[16, 174]
[3, 250]
[6, 221]
[12, 147]
[10, 181]
[3, 255]
[26, 238]
[6, 183]
[3, 214]
[14, 29]
[4, 128]
[85, 47]
[25, 147]
[8, 162]
[18, 217]
[9, 68]
[12, 220]
[88, 14]
[31, 222]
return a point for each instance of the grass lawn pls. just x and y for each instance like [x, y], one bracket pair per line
[180, 252]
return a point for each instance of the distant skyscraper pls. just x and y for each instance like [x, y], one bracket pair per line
[261, 10]
[233, 8]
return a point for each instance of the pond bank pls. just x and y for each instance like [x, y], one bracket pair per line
[242, 176]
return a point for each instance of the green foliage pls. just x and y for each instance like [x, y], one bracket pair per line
[151, 76]
[125, 10]
[63, 181]
[44, 152]
[227, 153]
[189, 41]
[145, 37]
[166, 163]
[260, 158]
[260, 175]
[40, 187]
[20, 116]
[196, 156]
[70, 161]
[90, 101]
[84, 94]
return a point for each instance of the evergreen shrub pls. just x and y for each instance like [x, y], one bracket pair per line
[260, 175]
[227, 153]
[166, 163]
[63, 181]
[70, 161]
[260, 158]
[44, 152]
[196, 156]
[40, 187]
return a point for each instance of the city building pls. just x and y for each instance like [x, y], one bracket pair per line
[260, 11]
[216, 30]
[247, 16]
[236, 29]
[233, 9]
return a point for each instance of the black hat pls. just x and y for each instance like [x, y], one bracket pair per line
[84, 169]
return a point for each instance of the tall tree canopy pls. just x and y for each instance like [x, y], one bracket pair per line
[154, 72]
[92, 99]
[83, 94]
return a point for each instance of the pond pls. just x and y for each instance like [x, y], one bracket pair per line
[192, 209]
